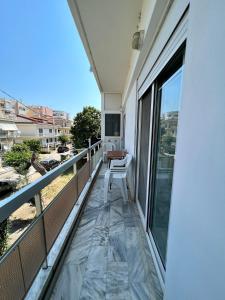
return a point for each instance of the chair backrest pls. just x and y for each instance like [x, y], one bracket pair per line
[109, 146]
[122, 165]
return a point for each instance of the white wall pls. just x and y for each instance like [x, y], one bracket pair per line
[27, 129]
[112, 101]
[196, 246]
[130, 127]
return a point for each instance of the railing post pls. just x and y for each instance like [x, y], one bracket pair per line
[39, 211]
[89, 156]
[75, 168]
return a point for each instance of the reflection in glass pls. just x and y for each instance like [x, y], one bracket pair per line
[144, 114]
[166, 146]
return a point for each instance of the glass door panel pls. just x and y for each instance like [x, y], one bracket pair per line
[165, 149]
[144, 115]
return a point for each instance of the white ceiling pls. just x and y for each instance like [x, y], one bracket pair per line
[107, 27]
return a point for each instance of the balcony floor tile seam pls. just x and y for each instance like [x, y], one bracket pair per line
[110, 251]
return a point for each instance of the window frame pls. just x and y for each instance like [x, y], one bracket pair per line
[120, 127]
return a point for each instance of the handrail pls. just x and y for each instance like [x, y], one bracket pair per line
[13, 202]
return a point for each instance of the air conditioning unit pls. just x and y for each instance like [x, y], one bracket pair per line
[137, 40]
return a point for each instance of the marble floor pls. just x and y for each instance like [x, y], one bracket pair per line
[109, 256]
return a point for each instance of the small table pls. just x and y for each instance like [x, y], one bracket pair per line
[118, 154]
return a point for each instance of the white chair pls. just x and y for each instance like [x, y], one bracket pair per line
[118, 174]
[109, 146]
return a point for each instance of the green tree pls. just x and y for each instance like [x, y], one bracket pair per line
[19, 158]
[3, 236]
[86, 124]
[34, 145]
[63, 139]
[168, 144]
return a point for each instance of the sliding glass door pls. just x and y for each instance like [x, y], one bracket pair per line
[144, 128]
[167, 108]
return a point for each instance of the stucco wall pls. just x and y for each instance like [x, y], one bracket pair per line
[196, 246]
[130, 130]
[112, 102]
[27, 129]
[130, 121]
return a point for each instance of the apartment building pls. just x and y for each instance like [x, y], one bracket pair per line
[7, 109]
[31, 128]
[8, 134]
[8, 129]
[160, 68]
[42, 112]
[60, 117]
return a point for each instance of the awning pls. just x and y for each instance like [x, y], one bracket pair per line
[8, 127]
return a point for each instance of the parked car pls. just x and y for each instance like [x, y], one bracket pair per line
[62, 149]
[50, 163]
[7, 186]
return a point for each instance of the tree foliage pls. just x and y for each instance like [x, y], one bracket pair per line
[86, 124]
[3, 236]
[19, 158]
[63, 139]
[33, 145]
[168, 144]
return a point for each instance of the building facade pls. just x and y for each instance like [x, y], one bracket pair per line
[155, 98]
[29, 128]
[8, 134]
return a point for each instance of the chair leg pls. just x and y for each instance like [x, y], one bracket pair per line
[123, 192]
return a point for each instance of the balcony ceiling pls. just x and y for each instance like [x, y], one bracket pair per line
[106, 28]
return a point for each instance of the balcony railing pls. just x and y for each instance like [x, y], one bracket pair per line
[23, 260]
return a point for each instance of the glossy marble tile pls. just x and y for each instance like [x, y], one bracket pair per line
[117, 283]
[69, 283]
[93, 288]
[109, 257]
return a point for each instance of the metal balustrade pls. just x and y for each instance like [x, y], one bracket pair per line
[21, 263]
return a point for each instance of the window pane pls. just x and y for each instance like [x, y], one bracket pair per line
[143, 149]
[166, 147]
[112, 124]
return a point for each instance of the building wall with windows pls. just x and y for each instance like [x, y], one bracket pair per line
[195, 247]
[172, 117]
[196, 238]
[46, 133]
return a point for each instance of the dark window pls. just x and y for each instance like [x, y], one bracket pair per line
[50, 130]
[112, 124]
[40, 130]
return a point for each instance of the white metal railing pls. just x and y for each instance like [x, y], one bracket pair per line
[29, 253]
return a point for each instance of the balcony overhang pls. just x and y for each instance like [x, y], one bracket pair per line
[106, 28]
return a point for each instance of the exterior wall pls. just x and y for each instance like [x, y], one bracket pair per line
[196, 247]
[27, 129]
[195, 264]
[130, 134]
[111, 103]
[64, 130]
[7, 109]
[130, 128]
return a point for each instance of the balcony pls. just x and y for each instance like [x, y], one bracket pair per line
[77, 247]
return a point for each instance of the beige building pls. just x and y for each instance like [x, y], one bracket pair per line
[29, 128]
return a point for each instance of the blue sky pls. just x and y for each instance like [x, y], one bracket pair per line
[42, 59]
